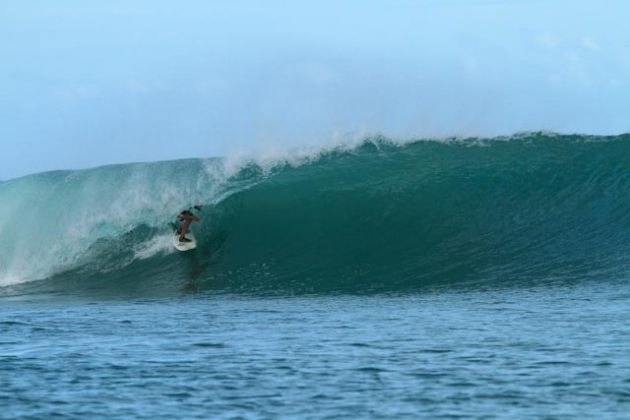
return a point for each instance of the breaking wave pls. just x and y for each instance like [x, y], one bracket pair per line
[376, 216]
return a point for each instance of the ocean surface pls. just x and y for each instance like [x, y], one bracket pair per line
[454, 278]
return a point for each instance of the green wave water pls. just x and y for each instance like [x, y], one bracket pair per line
[379, 216]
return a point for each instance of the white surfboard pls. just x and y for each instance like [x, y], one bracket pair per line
[184, 246]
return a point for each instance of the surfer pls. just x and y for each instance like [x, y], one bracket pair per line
[186, 217]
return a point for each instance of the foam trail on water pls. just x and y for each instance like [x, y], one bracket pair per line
[158, 245]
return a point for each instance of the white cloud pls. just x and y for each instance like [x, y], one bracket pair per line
[136, 86]
[471, 66]
[589, 44]
[75, 92]
[548, 40]
[211, 87]
[318, 73]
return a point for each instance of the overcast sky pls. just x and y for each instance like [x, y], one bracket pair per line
[87, 83]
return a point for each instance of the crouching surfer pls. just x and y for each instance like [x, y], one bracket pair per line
[186, 217]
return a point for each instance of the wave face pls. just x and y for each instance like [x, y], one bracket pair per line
[376, 217]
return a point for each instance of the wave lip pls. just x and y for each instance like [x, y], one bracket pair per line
[380, 215]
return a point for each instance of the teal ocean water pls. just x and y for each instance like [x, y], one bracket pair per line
[438, 279]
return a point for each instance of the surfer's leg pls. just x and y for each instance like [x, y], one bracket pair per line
[184, 231]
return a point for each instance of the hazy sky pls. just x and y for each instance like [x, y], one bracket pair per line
[86, 83]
